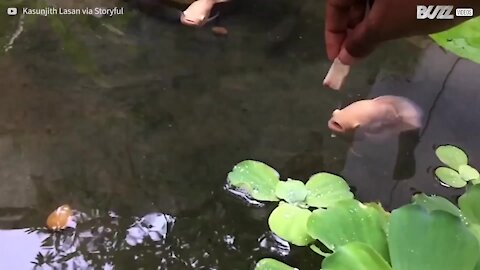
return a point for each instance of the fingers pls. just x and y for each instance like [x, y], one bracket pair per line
[336, 25]
[364, 37]
[357, 13]
[358, 44]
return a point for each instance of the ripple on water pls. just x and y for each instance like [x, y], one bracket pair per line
[274, 244]
[242, 194]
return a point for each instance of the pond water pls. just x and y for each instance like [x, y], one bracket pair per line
[135, 122]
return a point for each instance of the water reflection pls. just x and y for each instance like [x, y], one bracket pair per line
[91, 245]
[242, 194]
[274, 244]
[154, 226]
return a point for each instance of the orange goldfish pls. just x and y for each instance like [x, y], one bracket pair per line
[60, 218]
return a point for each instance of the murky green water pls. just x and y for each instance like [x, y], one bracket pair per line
[134, 116]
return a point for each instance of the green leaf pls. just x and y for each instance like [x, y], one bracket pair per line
[289, 222]
[463, 40]
[292, 191]
[272, 264]
[468, 173]
[355, 256]
[325, 189]
[422, 240]
[256, 178]
[385, 215]
[349, 221]
[450, 177]
[432, 203]
[469, 203]
[451, 156]
[475, 229]
[475, 181]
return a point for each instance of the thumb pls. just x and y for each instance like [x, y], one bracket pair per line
[359, 43]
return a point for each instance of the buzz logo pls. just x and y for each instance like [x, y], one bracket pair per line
[434, 12]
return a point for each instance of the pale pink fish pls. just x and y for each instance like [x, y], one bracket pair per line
[379, 117]
[198, 13]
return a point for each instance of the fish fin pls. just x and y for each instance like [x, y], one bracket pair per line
[391, 99]
[377, 127]
[355, 153]
[408, 111]
[392, 114]
[408, 126]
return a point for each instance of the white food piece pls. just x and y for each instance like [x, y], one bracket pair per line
[336, 75]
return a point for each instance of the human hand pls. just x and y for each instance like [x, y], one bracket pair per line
[351, 33]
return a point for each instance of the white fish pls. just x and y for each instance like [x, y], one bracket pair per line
[198, 13]
[378, 117]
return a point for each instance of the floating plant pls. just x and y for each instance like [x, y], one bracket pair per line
[292, 191]
[350, 221]
[430, 233]
[463, 40]
[430, 240]
[262, 182]
[427, 234]
[272, 264]
[450, 177]
[289, 219]
[451, 156]
[469, 203]
[325, 189]
[256, 178]
[289, 222]
[457, 172]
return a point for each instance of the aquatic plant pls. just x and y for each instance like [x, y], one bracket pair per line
[263, 183]
[457, 172]
[428, 233]
[463, 40]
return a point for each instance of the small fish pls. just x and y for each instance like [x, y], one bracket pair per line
[379, 117]
[60, 219]
[198, 13]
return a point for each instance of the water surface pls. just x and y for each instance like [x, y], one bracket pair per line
[137, 117]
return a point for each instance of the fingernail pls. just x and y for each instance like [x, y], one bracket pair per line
[346, 58]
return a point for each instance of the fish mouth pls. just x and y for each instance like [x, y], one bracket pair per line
[197, 23]
[335, 126]
[340, 130]
[188, 22]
